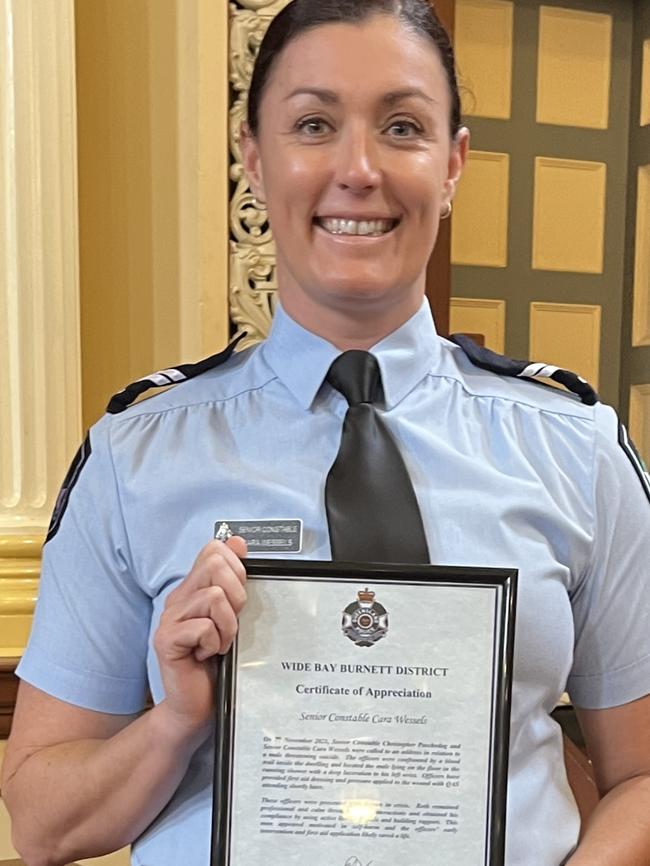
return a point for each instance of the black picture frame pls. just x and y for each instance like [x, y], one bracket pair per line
[354, 573]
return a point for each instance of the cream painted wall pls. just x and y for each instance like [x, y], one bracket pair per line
[152, 99]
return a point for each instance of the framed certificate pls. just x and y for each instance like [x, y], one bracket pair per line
[362, 717]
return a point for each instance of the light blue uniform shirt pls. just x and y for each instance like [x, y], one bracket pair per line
[507, 474]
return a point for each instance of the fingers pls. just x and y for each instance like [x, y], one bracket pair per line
[205, 623]
[200, 615]
[217, 554]
[238, 545]
[197, 637]
[218, 564]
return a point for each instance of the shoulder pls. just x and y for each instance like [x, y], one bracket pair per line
[572, 415]
[174, 400]
[128, 429]
[213, 380]
[537, 385]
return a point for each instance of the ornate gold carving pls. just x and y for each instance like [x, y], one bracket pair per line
[270, 7]
[252, 250]
[247, 30]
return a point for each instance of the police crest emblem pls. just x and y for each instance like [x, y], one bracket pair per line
[365, 621]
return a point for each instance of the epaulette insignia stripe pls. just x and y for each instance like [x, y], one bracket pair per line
[160, 379]
[171, 376]
[164, 377]
[174, 374]
[486, 359]
[542, 371]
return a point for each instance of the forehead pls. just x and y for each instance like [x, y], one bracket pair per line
[369, 58]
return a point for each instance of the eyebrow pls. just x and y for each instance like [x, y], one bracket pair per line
[390, 98]
[407, 93]
[324, 95]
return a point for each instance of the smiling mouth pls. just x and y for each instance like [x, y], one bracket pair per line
[364, 228]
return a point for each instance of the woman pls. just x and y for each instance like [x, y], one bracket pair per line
[354, 142]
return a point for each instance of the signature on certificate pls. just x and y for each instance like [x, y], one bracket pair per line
[354, 861]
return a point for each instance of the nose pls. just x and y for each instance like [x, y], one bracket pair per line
[358, 168]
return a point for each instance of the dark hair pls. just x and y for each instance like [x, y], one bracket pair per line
[302, 15]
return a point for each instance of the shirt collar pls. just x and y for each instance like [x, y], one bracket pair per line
[301, 359]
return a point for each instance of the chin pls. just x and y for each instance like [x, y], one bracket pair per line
[361, 290]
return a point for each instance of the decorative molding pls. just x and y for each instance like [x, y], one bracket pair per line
[574, 63]
[567, 335]
[641, 305]
[480, 316]
[20, 565]
[252, 250]
[40, 417]
[483, 44]
[479, 234]
[267, 7]
[640, 419]
[569, 215]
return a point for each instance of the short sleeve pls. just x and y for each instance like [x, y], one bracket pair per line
[611, 605]
[89, 637]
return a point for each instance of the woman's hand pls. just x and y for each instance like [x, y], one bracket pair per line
[199, 621]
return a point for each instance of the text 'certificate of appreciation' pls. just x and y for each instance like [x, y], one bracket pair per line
[365, 717]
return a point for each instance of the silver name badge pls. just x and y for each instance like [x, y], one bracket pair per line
[263, 536]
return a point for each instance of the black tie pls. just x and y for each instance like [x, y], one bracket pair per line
[372, 512]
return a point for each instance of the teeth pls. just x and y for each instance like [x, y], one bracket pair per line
[373, 228]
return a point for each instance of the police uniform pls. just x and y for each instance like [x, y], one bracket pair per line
[507, 473]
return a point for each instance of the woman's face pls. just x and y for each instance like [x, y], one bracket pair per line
[355, 163]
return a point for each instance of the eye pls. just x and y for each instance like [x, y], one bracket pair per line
[407, 128]
[312, 126]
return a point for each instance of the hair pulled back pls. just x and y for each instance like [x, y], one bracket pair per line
[302, 15]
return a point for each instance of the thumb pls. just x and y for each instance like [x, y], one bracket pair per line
[237, 544]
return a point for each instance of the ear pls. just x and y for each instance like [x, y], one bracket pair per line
[457, 159]
[251, 161]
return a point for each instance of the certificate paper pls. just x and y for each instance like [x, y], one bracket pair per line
[363, 718]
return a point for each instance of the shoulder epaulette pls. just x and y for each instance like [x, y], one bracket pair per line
[123, 399]
[486, 359]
